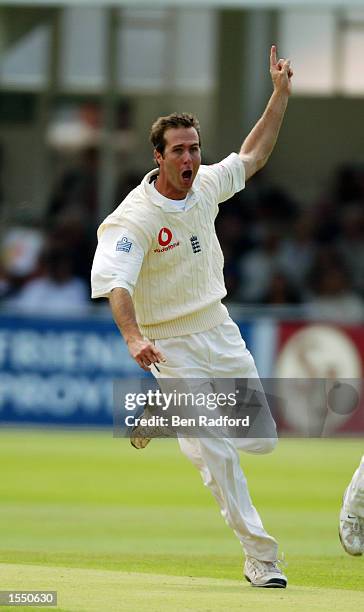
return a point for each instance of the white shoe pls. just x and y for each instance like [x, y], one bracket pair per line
[351, 530]
[264, 574]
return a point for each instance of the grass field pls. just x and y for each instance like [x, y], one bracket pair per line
[112, 528]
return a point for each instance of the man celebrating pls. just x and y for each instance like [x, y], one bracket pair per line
[160, 264]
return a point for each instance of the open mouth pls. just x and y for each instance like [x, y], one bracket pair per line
[187, 175]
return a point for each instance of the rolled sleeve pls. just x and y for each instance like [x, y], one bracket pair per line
[117, 262]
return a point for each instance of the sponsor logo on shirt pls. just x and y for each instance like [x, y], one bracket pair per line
[165, 238]
[124, 244]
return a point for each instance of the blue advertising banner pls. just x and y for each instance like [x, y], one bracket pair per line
[61, 371]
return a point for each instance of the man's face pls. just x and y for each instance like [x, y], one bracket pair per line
[179, 163]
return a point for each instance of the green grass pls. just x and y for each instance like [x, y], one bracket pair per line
[113, 528]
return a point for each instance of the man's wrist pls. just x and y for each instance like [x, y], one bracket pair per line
[278, 102]
[280, 92]
[131, 338]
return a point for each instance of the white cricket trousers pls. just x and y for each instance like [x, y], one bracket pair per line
[220, 353]
[355, 493]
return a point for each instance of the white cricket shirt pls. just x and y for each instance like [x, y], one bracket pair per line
[167, 255]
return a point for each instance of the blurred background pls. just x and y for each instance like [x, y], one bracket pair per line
[80, 85]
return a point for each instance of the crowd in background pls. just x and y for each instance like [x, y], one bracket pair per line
[280, 253]
[277, 252]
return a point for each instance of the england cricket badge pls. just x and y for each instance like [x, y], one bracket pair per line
[196, 248]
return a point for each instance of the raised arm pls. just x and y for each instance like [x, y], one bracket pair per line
[259, 144]
[143, 351]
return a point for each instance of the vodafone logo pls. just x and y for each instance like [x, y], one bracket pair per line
[165, 241]
[165, 236]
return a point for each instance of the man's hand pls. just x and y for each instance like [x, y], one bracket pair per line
[259, 143]
[144, 352]
[281, 72]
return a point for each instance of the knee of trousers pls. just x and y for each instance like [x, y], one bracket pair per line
[266, 445]
[219, 452]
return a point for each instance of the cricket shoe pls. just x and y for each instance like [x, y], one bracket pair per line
[351, 530]
[141, 435]
[264, 574]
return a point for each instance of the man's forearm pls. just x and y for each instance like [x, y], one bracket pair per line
[122, 309]
[141, 349]
[263, 137]
[259, 144]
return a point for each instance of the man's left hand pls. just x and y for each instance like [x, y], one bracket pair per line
[281, 72]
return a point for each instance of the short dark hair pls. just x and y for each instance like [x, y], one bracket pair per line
[175, 120]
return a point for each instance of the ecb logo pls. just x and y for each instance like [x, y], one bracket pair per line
[196, 248]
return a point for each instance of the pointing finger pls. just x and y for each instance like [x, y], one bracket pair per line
[273, 55]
